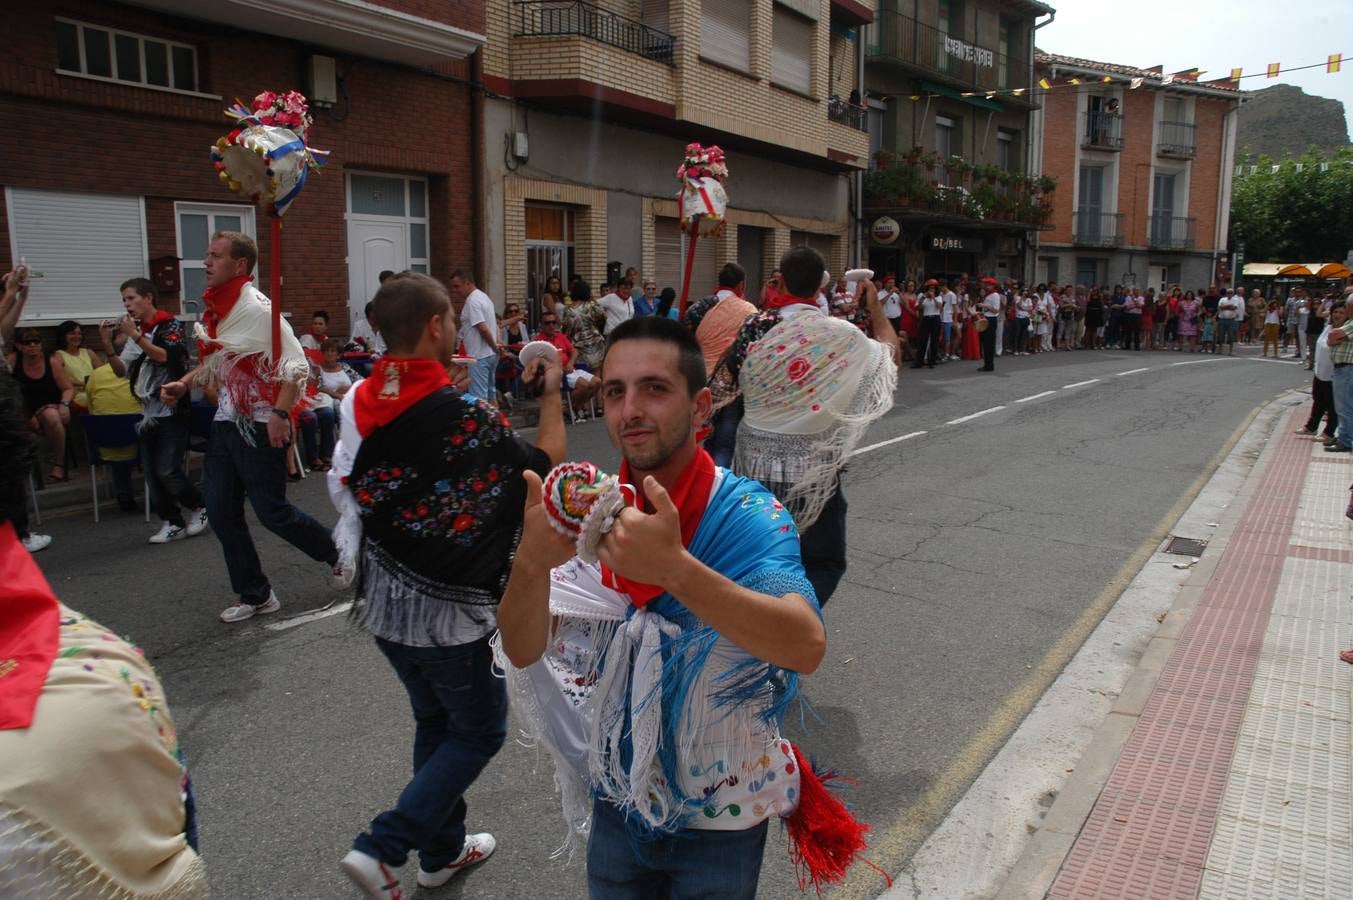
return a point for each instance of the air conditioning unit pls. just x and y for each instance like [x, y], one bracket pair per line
[323, 76]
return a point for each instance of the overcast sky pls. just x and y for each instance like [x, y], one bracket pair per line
[1214, 35]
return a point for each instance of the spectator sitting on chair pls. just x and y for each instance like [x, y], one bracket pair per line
[331, 381]
[155, 352]
[582, 385]
[366, 335]
[46, 394]
[76, 360]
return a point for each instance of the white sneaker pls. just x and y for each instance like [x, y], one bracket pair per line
[168, 532]
[197, 522]
[241, 610]
[379, 881]
[33, 542]
[478, 847]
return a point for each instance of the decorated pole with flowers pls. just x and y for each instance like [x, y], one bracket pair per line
[703, 203]
[266, 158]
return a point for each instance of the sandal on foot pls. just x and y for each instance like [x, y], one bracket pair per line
[64, 476]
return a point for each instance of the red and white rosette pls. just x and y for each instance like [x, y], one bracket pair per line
[582, 502]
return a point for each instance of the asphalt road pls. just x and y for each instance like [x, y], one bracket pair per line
[973, 546]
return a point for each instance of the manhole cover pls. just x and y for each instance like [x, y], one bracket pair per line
[1183, 546]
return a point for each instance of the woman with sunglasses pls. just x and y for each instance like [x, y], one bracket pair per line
[47, 396]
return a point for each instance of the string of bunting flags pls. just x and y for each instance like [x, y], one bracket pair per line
[1332, 64]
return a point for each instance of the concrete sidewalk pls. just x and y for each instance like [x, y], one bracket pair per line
[1234, 750]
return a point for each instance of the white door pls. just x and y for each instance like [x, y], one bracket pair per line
[1156, 278]
[374, 246]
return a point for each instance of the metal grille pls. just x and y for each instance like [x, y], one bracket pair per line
[556, 18]
[1182, 546]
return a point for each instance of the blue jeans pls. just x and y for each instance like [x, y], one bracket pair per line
[723, 433]
[460, 713]
[481, 378]
[234, 470]
[317, 431]
[823, 547]
[164, 441]
[1343, 404]
[687, 865]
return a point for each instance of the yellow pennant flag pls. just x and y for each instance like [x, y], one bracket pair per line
[1075, 80]
[1333, 63]
[1107, 78]
[1273, 70]
[1235, 76]
[1045, 84]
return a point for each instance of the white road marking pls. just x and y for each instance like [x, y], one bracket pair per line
[1286, 362]
[305, 618]
[1133, 371]
[1194, 362]
[1035, 396]
[1067, 387]
[896, 440]
[962, 419]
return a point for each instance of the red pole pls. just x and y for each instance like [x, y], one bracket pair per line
[275, 288]
[690, 264]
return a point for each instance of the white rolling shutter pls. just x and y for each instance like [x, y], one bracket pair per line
[791, 54]
[654, 14]
[726, 32]
[671, 262]
[85, 246]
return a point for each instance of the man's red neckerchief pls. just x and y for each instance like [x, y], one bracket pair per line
[690, 494]
[780, 301]
[29, 631]
[395, 385]
[220, 300]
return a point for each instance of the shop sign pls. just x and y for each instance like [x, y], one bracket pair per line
[968, 53]
[885, 230]
[959, 244]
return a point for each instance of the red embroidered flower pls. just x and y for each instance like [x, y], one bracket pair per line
[422, 510]
[462, 522]
[798, 369]
[396, 471]
[493, 475]
[472, 426]
[457, 440]
[817, 407]
[408, 515]
[384, 476]
[478, 486]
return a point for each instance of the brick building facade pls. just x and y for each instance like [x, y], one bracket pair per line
[590, 107]
[107, 112]
[1145, 173]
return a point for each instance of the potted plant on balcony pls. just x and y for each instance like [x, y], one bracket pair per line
[957, 167]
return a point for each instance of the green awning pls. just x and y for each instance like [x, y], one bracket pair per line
[976, 99]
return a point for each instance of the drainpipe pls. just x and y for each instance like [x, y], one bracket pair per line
[861, 256]
[477, 190]
[1224, 169]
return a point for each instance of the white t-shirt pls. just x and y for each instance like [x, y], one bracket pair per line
[930, 306]
[892, 304]
[372, 340]
[617, 310]
[1232, 307]
[478, 310]
[1022, 308]
[1324, 367]
[948, 302]
[991, 304]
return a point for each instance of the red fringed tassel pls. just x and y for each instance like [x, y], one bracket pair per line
[824, 837]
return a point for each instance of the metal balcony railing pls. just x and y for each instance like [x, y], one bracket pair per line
[1102, 130]
[903, 41]
[1097, 229]
[562, 18]
[1172, 232]
[843, 112]
[1176, 140]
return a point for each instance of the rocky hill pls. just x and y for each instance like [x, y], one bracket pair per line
[1285, 119]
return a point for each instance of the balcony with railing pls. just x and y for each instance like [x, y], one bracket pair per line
[1169, 232]
[1102, 130]
[901, 41]
[1093, 228]
[843, 112]
[1176, 140]
[575, 18]
[920, 186]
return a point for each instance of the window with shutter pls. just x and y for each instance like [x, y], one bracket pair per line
[791, 56]
[85, 245]
[671, 261]
[654, 14]
[725, 33]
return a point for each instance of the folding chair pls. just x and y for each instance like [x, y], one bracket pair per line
[113, 432]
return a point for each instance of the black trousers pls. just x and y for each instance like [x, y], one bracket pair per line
[928, 346]
[823, 547]
[1132, 331]
[1322, 406]
[989, 344]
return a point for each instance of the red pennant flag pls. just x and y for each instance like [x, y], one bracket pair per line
[1273, 70]
[1333, 63]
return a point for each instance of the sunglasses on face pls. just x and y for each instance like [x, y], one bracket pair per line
[29, 341]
